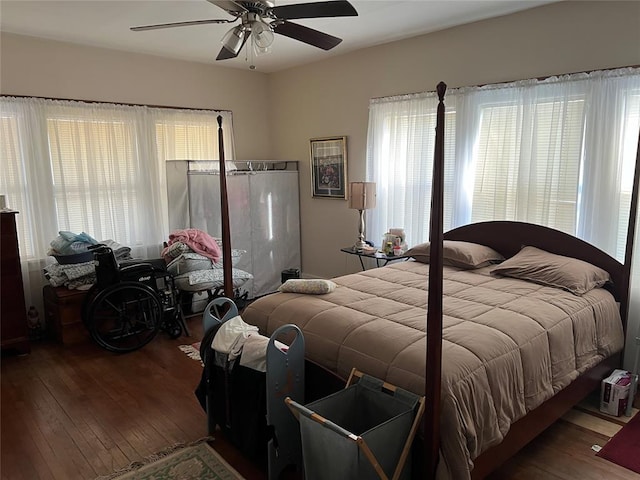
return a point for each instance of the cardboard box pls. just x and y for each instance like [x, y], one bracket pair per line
[614, 393]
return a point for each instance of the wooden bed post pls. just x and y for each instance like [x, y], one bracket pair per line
[224, 212]
[434, 299]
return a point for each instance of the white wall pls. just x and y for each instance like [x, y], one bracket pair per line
[331, 97]
[275, 115]
[36, 67]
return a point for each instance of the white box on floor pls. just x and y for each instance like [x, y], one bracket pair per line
[614, 393]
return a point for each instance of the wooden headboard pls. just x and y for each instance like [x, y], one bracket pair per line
[508, 238]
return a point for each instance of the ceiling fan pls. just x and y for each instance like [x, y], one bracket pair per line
[260, 19]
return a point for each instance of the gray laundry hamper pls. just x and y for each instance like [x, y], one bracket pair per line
[362, 432]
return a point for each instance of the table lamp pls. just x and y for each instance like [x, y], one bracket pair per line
[362, 196]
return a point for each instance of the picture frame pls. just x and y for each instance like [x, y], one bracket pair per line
[329, 167]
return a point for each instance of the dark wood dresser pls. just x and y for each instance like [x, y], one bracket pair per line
[14, 330]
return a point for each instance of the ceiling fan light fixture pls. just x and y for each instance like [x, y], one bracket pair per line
[234, 39]
[262, 37]
[261, 19]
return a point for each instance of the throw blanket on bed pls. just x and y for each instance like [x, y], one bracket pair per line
[199, 241]
[508, 344]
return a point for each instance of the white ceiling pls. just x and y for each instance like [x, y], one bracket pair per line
[105, 23]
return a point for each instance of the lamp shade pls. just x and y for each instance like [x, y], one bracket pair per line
[234, 39]
[362, 195]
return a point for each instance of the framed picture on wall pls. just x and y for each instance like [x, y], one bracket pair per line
[329, 167]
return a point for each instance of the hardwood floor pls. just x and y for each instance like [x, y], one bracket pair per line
[563, 451]
[79, 412]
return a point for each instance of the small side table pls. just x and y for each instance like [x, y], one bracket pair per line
[381, 258]
[63, 313]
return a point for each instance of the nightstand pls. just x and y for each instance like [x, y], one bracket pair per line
[63, 311]
[381, 258]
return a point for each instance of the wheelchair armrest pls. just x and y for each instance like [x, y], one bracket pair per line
[155, 264]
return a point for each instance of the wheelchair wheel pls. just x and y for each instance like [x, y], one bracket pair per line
[171, 323]
[124, 317]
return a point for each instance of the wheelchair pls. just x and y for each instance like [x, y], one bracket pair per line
[130, 303]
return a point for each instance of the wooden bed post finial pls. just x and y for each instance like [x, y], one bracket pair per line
[441, 88]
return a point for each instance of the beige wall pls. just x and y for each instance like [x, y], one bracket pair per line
[276, 115]
[30, 66]
[331, 97]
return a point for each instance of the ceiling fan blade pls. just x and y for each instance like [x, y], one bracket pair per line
[179, 24]
[340, 8]
[307, 35]
[230, 6]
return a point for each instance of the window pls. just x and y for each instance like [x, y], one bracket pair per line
[540, 185]
[558, 152]
[106, 163]
[400, 161]
[630, 126]
[95, 168]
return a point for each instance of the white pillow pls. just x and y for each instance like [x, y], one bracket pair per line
[235, 255]
[313, 286]
[208, 279]
[188, 262]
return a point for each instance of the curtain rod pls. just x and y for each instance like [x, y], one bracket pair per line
[540, 79]
[118, 103]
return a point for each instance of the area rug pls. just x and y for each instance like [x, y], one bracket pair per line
[192, 351]
[191, 462]
[623, 448]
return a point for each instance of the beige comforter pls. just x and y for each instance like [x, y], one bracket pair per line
[508, 344]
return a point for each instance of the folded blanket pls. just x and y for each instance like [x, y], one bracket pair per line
[199, 241]
[72, 276]
[229, 332]
[120, 251]
[254, 351]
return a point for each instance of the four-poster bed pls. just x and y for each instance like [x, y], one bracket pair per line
[487, 391]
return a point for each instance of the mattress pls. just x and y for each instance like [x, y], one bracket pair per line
[508, 344]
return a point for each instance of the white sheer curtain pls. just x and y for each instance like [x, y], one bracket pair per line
[94, 168]
[558, 152]
[189, 135]
[400, 160]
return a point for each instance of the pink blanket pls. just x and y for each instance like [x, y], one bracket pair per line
[199, 241]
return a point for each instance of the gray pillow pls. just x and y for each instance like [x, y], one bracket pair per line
[188, 262]
[208, 279]
[540, 266]
[458, 254]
